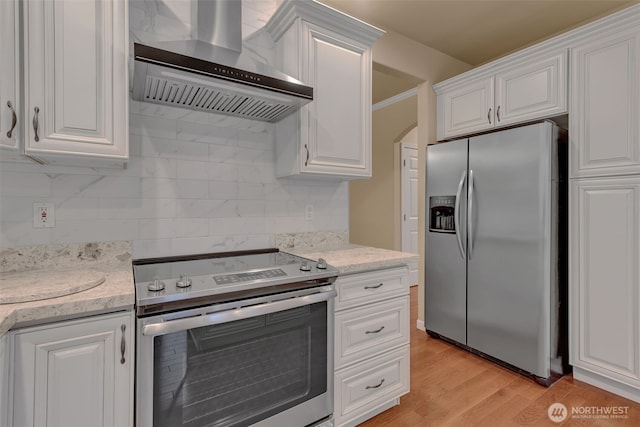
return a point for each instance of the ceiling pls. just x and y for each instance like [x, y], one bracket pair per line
[477, 31]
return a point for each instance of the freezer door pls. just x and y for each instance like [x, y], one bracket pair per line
[509, 246]
[445, 260]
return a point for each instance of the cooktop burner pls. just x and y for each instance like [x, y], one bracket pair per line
[208, 278]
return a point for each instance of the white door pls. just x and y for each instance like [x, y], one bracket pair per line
[409, 191]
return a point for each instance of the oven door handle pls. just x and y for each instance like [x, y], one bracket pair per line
[226, 316]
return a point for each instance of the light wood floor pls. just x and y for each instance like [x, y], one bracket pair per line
[450, 386]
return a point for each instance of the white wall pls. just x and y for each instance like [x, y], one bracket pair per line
[196, 182]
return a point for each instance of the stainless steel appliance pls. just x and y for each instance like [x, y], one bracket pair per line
[496, 247]
[234, 339]
[211, 73]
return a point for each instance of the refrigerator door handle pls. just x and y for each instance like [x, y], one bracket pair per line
[470, 216]
[456, 217]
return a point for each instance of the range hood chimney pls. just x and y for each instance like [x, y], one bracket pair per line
[210, 73]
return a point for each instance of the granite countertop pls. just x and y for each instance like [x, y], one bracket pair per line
[338, 252]
[355, 259]
[100, 277]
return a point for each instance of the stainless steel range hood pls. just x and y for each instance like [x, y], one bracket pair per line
[211, 73]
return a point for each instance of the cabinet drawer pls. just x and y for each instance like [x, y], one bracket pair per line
[366, 331]
[363, 387]
[362, 288]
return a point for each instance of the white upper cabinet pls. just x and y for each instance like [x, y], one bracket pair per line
[532, 90]
[605, 111]
[330, 51]
[512, 92]
[76, 81]
[466, 109]
[10, 101]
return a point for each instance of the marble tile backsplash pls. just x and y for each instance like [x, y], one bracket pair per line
[195, 182]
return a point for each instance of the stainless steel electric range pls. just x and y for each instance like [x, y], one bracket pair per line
[234, 339]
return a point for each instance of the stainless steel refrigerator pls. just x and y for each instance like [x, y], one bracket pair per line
[496, 247]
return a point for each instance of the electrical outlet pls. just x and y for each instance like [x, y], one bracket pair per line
[44, 215]
[308, 212]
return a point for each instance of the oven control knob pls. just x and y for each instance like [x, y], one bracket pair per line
[305, 267]
[321, 264]
[184, 282]
[156, 286]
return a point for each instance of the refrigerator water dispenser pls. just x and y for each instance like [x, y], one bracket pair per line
[441, 211]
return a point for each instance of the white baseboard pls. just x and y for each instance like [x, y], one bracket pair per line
[420, 324]
[614, 387]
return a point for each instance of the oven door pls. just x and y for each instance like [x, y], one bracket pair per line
[263, 361]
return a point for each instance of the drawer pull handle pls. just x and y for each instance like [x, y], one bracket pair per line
[375, 386]
[376, 331]
[36, 110]
[123, 345]
[489, 116]
[14, 119]
[374, 287]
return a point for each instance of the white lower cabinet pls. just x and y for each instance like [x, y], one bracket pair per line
[605, 283]
[371, 350]
[4, 376]
[73, 373]
[366, 389]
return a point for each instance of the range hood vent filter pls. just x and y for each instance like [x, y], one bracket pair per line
[210, 72]
[215, 100]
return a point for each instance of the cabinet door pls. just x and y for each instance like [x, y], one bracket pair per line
[466, 109]
[605, 106]
[76, 90]
[74, 373]
[9, 78]
[339, 118]
[4, 379]
[532, 90]
[605, 277]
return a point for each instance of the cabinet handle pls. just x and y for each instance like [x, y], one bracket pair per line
[123, 344]
[498, 113]
[306, 162]
[489, 116]
[14, 119]
[36, 110]
[376, 331]
[374, 287]
[375, 386]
